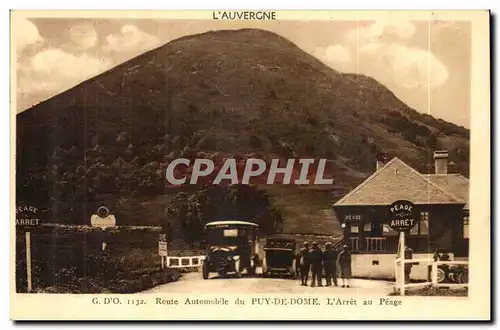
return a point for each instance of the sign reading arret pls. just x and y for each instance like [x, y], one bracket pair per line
[402, 215]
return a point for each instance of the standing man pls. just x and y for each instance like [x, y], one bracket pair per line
[408, 265]
[330, 264]
[344, 262]
[317, 264]
[305, 264]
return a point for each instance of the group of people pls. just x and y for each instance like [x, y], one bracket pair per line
[335, 264]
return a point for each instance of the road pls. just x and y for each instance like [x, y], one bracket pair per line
[193, 282]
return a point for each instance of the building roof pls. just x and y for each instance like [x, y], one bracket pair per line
[231, 223]
[456, 184]
[398, 181]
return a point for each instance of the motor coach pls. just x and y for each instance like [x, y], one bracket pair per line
[232, 247]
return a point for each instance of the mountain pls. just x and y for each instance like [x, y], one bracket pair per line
[217, 94]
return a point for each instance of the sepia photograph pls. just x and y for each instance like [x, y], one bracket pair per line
[250, 159]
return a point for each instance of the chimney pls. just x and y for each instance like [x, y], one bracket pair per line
[441, 161]
[381, 160]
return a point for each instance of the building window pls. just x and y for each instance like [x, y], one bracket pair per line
[414, 229]
[466, 226]
[422, 227]
[388, 230]
[424, 223]
[367, 227]
[354, 229]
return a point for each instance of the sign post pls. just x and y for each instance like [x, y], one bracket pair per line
[28, 261]
[162, 249]
[402, 262]
[402, 219]
[26, 219]
[103, 219]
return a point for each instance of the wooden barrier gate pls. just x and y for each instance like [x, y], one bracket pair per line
[434, 282]
[185, 262]
[178, 259]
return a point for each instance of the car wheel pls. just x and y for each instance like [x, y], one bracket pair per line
[293, 271]
[463, 277]
[206, 273]
[441, 275]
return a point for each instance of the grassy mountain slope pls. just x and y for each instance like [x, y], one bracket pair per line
[217, 94]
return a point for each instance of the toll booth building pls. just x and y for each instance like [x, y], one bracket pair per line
[441, 202]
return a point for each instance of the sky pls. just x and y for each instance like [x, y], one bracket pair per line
[426, 64]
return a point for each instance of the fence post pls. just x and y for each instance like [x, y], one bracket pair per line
[434, 274]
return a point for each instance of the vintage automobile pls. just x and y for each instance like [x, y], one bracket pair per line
[280, 256]
[446, 273]
[232, 247]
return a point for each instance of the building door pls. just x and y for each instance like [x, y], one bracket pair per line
[374, 221]
[376, 228]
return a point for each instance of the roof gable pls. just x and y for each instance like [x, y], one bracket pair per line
[397, 181]
[456, 184]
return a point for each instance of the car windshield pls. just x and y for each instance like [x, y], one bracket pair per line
[228, 236]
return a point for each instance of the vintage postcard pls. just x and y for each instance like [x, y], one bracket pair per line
[250, 165]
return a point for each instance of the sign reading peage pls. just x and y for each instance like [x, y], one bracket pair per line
[103, 219]
[27, 216]
[402, 215]
[353, 217]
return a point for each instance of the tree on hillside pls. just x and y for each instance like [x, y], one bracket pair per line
[188, 213]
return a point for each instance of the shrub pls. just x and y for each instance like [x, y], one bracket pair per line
[69, 261]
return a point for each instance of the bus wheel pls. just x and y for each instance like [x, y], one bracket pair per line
[237, 268]
[256, 261]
